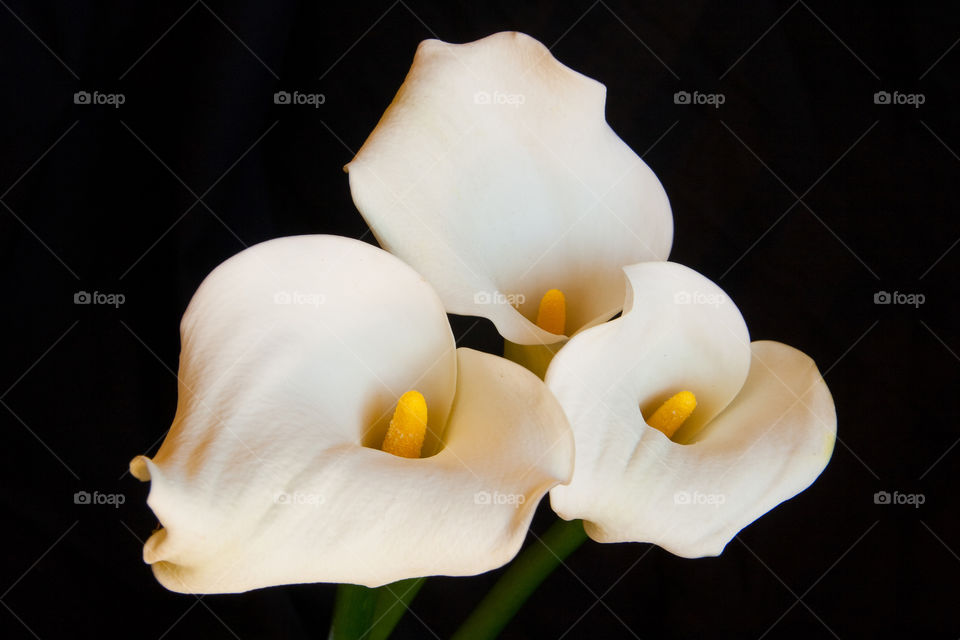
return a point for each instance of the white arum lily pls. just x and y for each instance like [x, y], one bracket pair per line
[494, 174]
[762, 430]
[294, 354]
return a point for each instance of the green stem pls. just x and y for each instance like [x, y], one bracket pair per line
[360, 613]
[352, 612]
[530, 568]
[392, 602]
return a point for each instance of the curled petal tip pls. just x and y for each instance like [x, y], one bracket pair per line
[139, 468]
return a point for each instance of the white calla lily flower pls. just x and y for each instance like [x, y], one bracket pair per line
[494, 174]
[762, 431]
[294, 354]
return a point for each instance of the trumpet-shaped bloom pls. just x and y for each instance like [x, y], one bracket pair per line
[294, 353]
[494, 174]
[762, 431]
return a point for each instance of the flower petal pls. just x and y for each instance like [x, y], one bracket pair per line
[359, 515]
[494, 173]
[769, 444]
[264, 478]
[679, 331]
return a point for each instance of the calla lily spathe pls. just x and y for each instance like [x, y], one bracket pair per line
[763, 430]
[294, 353]
[495, 175]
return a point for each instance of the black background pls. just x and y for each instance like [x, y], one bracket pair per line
[799, 195]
